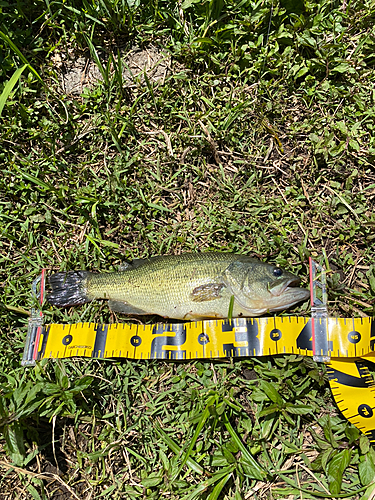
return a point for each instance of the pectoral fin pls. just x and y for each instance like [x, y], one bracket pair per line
[124, 308]
[210, 291]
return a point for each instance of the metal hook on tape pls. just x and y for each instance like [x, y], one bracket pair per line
[319, 312]
[35, 325]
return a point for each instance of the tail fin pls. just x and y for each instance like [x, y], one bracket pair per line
[68, 289]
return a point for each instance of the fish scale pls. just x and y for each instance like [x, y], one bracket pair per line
[187, 286]
[161, 285]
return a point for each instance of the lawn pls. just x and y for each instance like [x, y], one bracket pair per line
[135, 128]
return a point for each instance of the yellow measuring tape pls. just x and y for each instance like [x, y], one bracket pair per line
[345, 343]
[350, 343]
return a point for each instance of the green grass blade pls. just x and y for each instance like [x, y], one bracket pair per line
[204, 417]
[33, 492]
[202, 487]
[20, 55]
[10, 85]
[176, 449]
[35, 180]
[258, 471]
[320, 494]
[97, 60]
[214, 495]
[230, 309]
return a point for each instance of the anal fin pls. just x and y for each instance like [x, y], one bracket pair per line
[124, 308]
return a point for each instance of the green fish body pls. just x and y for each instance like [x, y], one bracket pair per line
[187, 286]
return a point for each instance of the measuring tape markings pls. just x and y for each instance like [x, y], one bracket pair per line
[347, 338]
[207, 339]
[345, 375]
[160, 340]
[358, 405]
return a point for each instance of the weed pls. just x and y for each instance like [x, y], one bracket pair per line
[256, 136]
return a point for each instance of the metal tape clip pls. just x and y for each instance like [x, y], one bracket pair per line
[35, 326]
[319, 312]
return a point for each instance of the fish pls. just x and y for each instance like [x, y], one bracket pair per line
[190, 286]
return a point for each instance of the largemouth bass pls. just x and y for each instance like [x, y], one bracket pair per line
[188, 286]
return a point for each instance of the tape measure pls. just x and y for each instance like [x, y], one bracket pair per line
[344, 343]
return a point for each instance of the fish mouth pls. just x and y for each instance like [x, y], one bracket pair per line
[287, 294]
[288, 291]
[278, 288]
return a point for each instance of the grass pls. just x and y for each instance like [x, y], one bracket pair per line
[256, 136]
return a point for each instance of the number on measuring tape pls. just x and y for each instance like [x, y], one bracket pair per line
[354, 337]
[100, 341]
[245, 334]
[372, 336]
[365, 411]
[67, 339]
[136, 340]
[353, 389]
[275, 334]
[304, 339]
[177, 340]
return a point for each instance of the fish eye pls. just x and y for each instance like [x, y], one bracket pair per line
[277, 272]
